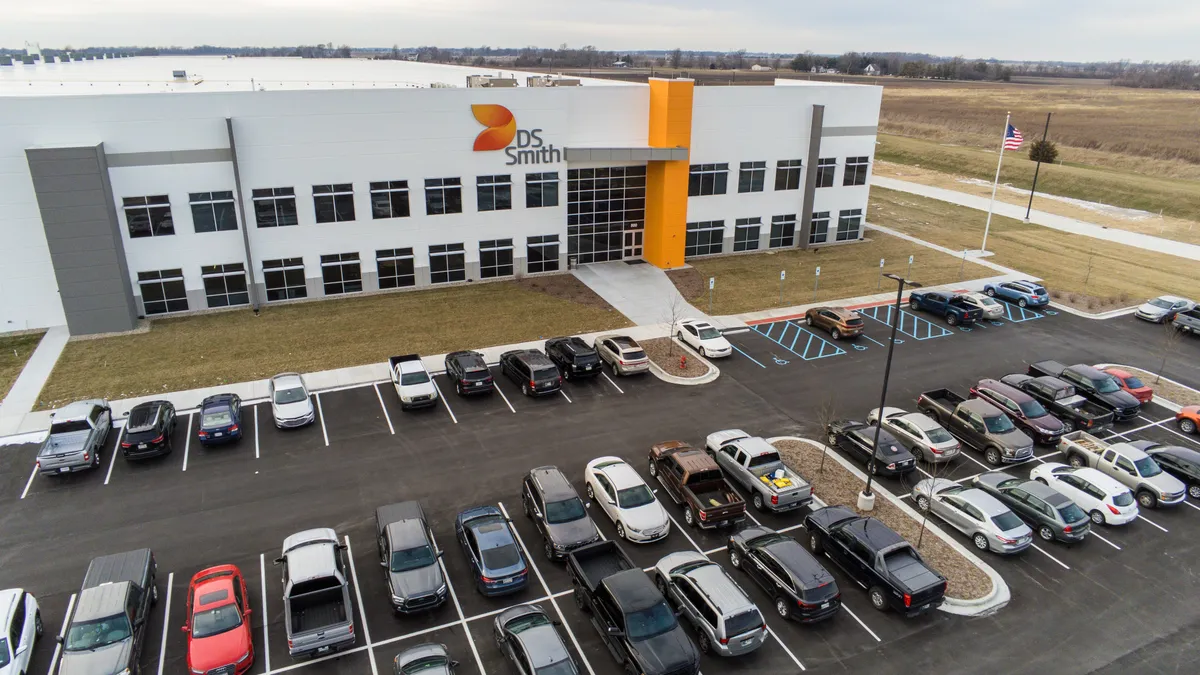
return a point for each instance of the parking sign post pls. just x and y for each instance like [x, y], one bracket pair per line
[909, 275]
[879, 285]
[816, 284]
[782, 276]
[712, 281]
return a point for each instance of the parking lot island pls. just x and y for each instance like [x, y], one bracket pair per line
[673, 361]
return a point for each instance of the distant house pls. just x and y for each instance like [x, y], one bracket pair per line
[822, 70]
[872, 69]
[756, 67]
[620, 64]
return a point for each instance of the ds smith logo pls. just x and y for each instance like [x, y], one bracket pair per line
[500, 132]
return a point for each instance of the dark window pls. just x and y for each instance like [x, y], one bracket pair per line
[396, 268]
[341, 273]
[334, 203]
[494, 192]
[495, 258]
[825, 170]
[783, 231]
[856, 171]
[541, 189]
[751, 176]
[163, 291]
[819, 231]
[213, 211]
[284, 279]
[603, 205]
[849, 223]
[443, 195]
[704, 238]
[707, 179]
[541, 254]
[447, 262]
[148, 216]
[389, 199]
[787, 174]
[225, 285]
[745, 234]
[275, 207]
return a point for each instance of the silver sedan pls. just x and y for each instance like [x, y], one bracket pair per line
[919, 433]
[989, 523]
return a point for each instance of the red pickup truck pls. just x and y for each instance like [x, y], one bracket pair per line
[694, 480]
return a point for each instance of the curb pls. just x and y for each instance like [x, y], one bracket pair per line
[1111, 314]
[985, 606]
[712, 374]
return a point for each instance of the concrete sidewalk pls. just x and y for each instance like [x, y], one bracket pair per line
[642, 292]
[23, 395]
[1062, 223]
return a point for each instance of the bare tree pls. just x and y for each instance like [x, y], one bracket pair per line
[825, 415]
[676, 57]
[1170, 344]
[675, 309]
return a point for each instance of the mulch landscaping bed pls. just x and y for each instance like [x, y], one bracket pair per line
[835, 485]
[691, 283]
[1172, 392]
[665, 353]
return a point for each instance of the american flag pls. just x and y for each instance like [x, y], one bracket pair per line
[1013, 138]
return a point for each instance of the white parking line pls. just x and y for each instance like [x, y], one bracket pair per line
[162, 650]
[962, 453]
[785, 647]
[62, 633]
[458, 607]
[564, 394]
[187, 442]
[860, 622]
[262, 577]
[1097, 535]
[361, 614]
[28, 483]
[682, 531]
[443, 399]
[383, 407]
[614, 384]
[1003, 467]
[496, 388]
[327, 657]
[113, 462]
[1141, 517]
[256, 439]
[1043, 552]
[529, 557]
[321, 413]
[1185, 501]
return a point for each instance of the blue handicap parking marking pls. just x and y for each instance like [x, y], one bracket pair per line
[1017, 314]
[798, 340]
[996, 323]
[911, 325]
[779, 361]
[858, 347]
[964, 329]
[1050, 312]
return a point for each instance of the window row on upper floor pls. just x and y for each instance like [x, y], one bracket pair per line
[713, 179]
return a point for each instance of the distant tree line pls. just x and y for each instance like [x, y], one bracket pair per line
[1174, 75]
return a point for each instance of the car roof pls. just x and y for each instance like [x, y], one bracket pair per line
[874, 533]
[144, 416]
[632, 590]
[724, 594]
[530, 356]
[981, 406]
[698, 323]
[288, 380]
[214, 585]
[1172, 298]
[1052, 382]
[491, 531]
[8, 598]
[868, 430]
[625, 342]
[100, 601]
[840, 312]
[75, 411]
[1008, 390]
[406, 532]
[553, 483]
[622, 475]
[989, 505]
[542, 645]
[312, 554]
[797, 561]
[1119, 372]
[921, 420]
[755, 446]
[1175, 451]
[1026, 283]
[695, 461]
[1094, 476]
[217, 400]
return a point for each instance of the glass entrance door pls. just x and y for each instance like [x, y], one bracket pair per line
[606, 211]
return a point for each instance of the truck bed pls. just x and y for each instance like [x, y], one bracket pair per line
[1082, 440]
[715, 497]
[942, 397]
[594, 562]
[316, 610]
[1051, 368]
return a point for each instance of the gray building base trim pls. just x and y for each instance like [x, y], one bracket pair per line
[472, 270]
[831, 132]
[124, 159]
[370, 281]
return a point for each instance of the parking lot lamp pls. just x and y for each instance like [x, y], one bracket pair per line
[866, 500]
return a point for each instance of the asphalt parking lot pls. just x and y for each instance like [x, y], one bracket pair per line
[1116, 601]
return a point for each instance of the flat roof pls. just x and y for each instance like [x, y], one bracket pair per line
[155, 74]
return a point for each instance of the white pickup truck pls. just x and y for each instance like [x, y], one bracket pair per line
[754, 464]
[413, 384]
[1150, 484]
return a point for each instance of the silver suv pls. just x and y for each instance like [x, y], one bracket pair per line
[727, 622]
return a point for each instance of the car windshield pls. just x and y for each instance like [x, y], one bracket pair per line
[412, 558]
[293, 395]
[635, 496]
[1161, 304]
[215, 621]
[986, 301]
[3, 652]
[1123, 499]
[938, 435]
[1006, 521]
[1106, 385]
[1071, 513]
[501, 557]
[998, 424]
[1133, 383]
[1147, 467]
[216, 418]
[564, 667]
[709, 333]
[92, 634]
[425, 664]
[565, 511]
[654, 620]
[419, 377]
[1032, 409]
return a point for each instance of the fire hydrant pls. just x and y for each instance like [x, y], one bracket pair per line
[683, 361]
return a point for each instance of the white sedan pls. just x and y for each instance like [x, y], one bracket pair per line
[992, 309]
[626, 500]
[1106, 501]
[701, 336]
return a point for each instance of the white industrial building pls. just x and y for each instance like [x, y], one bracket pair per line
[152, 185]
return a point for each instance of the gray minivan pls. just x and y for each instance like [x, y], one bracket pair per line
[727, 622]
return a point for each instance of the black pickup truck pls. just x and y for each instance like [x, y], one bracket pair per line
[633, 619]
[1094, 384]
[1059, 397]
[876, 558]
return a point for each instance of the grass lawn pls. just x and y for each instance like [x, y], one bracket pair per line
[747, 283]
[1119, 275]
[212, 349]
[15, 350]
[1175, 197]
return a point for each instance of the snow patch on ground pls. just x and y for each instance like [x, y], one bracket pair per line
[1105, 209]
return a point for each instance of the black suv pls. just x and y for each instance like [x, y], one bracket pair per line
[573, 356]
[554, 506]
[532, 370]
[470, 373]
[148, 430]
[803, 589]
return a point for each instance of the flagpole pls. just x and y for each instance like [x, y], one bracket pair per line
[995, 183]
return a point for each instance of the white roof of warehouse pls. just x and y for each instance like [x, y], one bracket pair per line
[154, 74]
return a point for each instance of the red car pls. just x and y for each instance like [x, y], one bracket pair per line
[218, 622]
[1189, 419]
[1130, 383]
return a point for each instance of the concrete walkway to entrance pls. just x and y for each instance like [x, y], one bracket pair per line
[23, 395]
[1061, 223]
[642, 292]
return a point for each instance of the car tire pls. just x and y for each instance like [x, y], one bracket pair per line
[980, 542]
[952, 319]
[154, 595]
[735, 558]
[703, 643]
[525, 506]
[38, 628]
[835, 334]
[914, 305]
[923, 503]
[1097, 517]
[808, 320]
[590, 492]
[661, 584]
[577, 593]
[1187, 426]
[689, 517]
[1147, 499]
[458, 388]
[1046, 533]
[991, 292]
[782, 608]
[525, 389]
[758, 502]
[1194, 491]
[873, 468]
[832, 440]
[992, 455]
[621, 530]
[96, 459]
[679, 335]
[815, 545]
[1076, 461]
[1068, 426]
[653, 469]
[1021, 303]
[548, 549]
[878, 598]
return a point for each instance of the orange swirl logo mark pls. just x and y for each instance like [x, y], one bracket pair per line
[500, 123]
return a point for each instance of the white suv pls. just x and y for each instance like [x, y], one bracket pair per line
[21, 623]
[1105, 499]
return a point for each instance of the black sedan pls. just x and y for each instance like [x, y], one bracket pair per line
[1051, 514]
[857, 439]
[1182, 463]
[803, 590]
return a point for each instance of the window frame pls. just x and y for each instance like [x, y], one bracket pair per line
[493, 193]
[342, 262]
[856, 170]
[547, 263]
[789, 174]
[822, 219]
[161, 278]
[692, 239]
[158, 221]
[752, 177]
[747, 234]
[291, 290]
[826, 172]
[845, 217]
[783, 231]
[281, 200]
[207, 203]
[705, 180]
[446, 253]
[396, 194]
[446, 193]
[545, 185]
[498, 267]
[225, 272]
[397, 258]
[333, 203]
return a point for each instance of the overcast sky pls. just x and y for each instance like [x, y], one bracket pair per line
[1067, 30]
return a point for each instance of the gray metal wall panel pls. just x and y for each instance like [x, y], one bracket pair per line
[49, 185]
[203, 156]
[95, 213]
[810, 174]
[831, 132]
[88, 289]
[102, 302]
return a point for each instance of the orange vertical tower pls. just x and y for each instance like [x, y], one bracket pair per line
[667, 181]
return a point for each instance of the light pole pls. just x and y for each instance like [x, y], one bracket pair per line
[866, 500]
